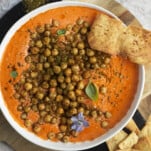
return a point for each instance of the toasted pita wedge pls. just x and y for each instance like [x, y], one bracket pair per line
[149, 120]
[115, 140]
[136, 44]
[143, 144]
[129, 141]
[129, 149]
[146, 131]
[111, 36]
[104, 34]
[132, 126]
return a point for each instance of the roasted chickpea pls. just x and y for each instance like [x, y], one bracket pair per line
[69, 121]
[57, 69]
[39, 66]
[83, 30]
[90, 52]
[28, 123]
[34, 108]
[41, 106]
[80, 99]
[52, 95]
[60, 110]
[66, 102]
[86, 75]
[51, 59]
[60, 135]
[40, 29]
[68, 72]
[103, 89]
[75, 78]
[63, 85]
[81, 52]
[63, 120]
[28, 86]
[74, 133]
[75, 68]
[42, 114]
[53, 82]
[55, 52]
[36, 128]
[107, 60]
[27, 109]
[70, 87]
[47, 118]
[92, 60]
[45, 85]
[64, 65]
[35, 50]
[39, 43]
[46, 40]
[47, 52]
[63, 128]
[65, 139]
[60, 78]
[55, 23]
[76, 28]
[34, 74]
[81, 110]
[80, 45]
[19, 108]
[47, 33]
[73, 111]
[80, 85]
[73, 104]
[67, 79]
[71, 61]
[71, 95]
[104, 124]
[94, 114]
[74, 51]
[23, 116]
[39, 95]
[51, 135]
[79, 21]
[59, 98]
[54, 120]
[108, 114]
[59, 91]
[46, 77]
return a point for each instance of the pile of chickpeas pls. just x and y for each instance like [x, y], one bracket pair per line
[54, 84]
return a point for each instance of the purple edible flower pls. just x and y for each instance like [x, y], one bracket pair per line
[79, 122]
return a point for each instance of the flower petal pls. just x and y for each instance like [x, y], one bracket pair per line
[85, 123]
[73, 126]
[74, 119]
[79, 128]
[80, 116]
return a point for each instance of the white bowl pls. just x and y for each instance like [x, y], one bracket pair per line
[59, 145]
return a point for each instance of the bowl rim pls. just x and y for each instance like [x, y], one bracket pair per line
[59, 145]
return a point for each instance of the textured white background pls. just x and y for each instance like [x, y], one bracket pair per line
[141, 9]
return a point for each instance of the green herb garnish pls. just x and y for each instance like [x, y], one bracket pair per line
[14, 74]
[92, 91]
[61, 31]
[33, 4]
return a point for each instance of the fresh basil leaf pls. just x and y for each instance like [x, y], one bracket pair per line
[61, 31]
[14, 74]
[92, 91]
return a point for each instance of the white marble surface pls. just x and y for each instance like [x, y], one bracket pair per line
[141, 9]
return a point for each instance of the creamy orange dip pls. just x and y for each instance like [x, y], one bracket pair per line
[121, 81]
